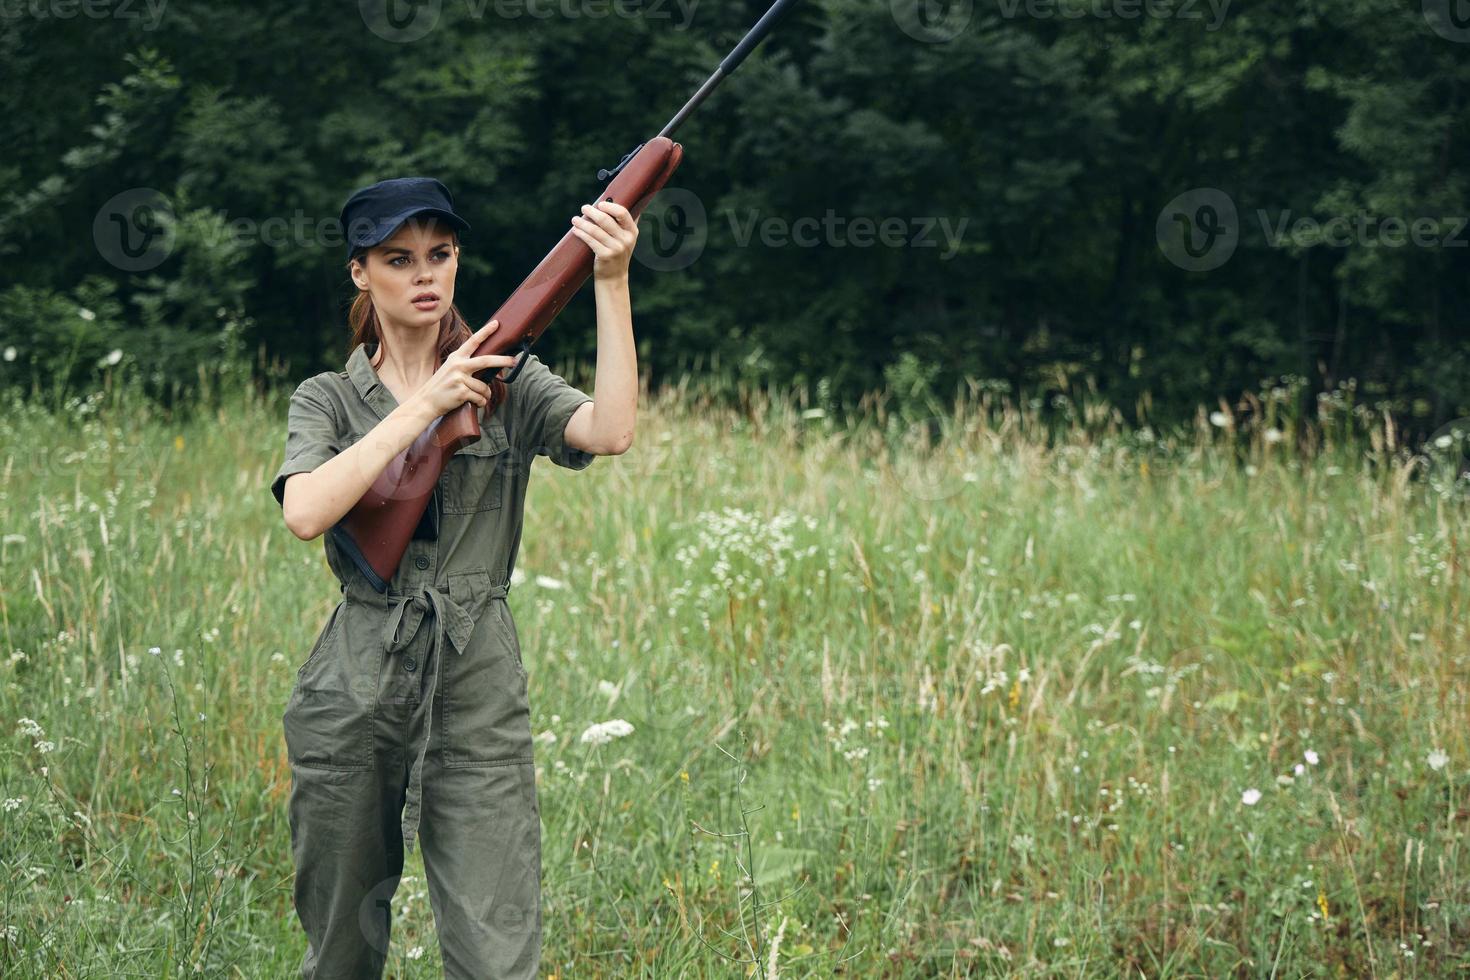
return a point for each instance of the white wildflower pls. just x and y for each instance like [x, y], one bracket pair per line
[605, 731]
[14, 803]
[547, 582]
[1251, 797]
[1219, 419]
[1437, 759]
[1312, 757]
[10, 353]
[86, 314]
[416, 952]
[29, 727]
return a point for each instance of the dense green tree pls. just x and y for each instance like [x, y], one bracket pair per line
[1022, 152]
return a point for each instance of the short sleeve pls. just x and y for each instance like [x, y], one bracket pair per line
[546, 405]
[311, 435]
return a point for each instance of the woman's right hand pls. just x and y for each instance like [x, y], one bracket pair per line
[455, 382]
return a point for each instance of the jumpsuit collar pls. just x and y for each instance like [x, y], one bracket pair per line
[368, 384]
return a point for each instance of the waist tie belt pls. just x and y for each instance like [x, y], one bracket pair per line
[451, 620]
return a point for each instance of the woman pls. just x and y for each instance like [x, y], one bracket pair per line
[410, 714]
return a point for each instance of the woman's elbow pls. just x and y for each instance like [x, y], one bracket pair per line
[299, 526]
[297, 523]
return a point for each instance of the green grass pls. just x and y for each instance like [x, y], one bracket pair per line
[986, 708]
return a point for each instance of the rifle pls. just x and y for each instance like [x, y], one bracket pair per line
[376, 531]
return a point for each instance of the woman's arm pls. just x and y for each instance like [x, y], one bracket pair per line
[315, 501]
[605, 425]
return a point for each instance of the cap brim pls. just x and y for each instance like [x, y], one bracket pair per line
[387, 228]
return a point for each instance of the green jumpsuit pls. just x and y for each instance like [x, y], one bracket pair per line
[410, 714]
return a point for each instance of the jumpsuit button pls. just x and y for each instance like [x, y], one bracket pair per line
[422, 562]
[409, 663]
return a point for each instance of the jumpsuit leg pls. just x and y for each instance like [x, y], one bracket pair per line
[481, 839]
[348, 719]
[481, 827]
[348, 852]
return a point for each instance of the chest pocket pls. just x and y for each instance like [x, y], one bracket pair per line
[474, 478]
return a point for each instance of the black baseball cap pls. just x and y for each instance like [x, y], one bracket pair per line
[373, 213]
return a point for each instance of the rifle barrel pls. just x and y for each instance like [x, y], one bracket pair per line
[732, 61]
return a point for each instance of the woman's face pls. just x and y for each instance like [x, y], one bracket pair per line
[418, 262]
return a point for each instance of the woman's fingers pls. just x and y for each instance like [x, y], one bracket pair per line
[599, 217]
[477, 338]
[473, 390]
[598, 249]
[600, 232]
[596, 238]
[620, 214]
[474, 365]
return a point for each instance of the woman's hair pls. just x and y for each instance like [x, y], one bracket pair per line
[362, 319]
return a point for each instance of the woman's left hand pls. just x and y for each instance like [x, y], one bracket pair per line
[610, 231]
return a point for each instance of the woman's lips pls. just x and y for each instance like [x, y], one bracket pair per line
[425, 304]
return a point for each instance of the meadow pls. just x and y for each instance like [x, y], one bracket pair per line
[1027, 692]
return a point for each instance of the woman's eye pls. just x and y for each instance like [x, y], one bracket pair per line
[441, 256]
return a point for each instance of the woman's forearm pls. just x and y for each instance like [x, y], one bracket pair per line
[313, 502]
[615, 391]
